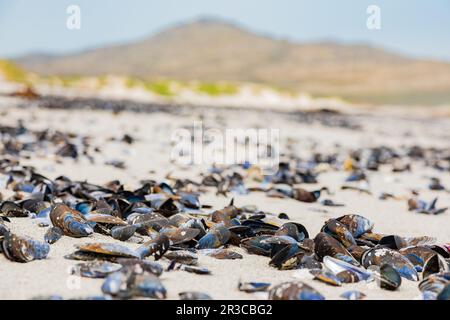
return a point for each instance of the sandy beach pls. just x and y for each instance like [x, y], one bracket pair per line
[149, 157]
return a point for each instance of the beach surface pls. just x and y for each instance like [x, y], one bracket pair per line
[149, 157]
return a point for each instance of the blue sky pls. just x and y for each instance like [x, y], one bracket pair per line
[414, 27]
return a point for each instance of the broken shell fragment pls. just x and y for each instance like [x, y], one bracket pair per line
[53, 234]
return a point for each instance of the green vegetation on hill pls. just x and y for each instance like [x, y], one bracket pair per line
[161, 87]
[217, 89]
[170, 88]
[69, 81]
[12, 72]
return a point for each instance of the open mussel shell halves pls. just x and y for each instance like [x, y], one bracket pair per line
[215, 238]
[346, 272]
[444, 294]
[432, 265]
[257, 245]
[286, 256]
[419, 255]
[326, 245]
[380, 256]
[294, 230]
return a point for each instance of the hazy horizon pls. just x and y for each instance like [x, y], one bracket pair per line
[212, 19]
[419, 31]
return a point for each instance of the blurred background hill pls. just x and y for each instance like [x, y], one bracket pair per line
[213, 50]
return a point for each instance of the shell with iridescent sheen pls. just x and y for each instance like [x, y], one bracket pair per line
[109, 249]
[216, 237]
[379, 256]
[23, 249]
[95, 269]
[356, 224]
[72, 222]
[326, 245]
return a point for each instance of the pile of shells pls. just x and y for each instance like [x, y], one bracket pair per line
[169, 222]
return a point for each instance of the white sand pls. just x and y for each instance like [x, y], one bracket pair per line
[151, 152]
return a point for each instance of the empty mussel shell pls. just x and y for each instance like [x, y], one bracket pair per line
[147, 285]
[431, 266]
[346, 272]
[390, 279]
[353, 295]
[104, 219]
[108, 249]
[126, 284]
[183, 256]
[356, 224]
[117, 284]
[295, 290]
[72, 222]
[173, 266]
[286, 257]
[326, 245]
[326, 277]
[339, 231]
[223, 254]
[123, 232]
[139, 266]
[216, 237]
[257, 245]
[156, 247]
[435, 283]
[180, 235]
[3, 228]
[294, 230]
[251, 287]
[53, 234]
[397, 242]
[11, 209]
[379, 256]
[194, 295]
[95, 269]
[23, 249]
